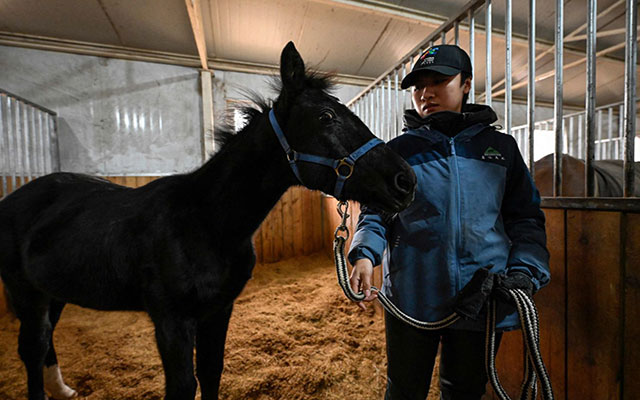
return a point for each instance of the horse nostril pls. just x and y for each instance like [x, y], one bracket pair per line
[403, 183]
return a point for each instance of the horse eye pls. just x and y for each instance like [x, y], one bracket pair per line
[327, 116]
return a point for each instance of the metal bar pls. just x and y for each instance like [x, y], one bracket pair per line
[11, 156]
[23, 100]
[47, 145]
[443, 37]
[630, 58]
[472, 32]
[507, 95]
[55, 149]
[4, 164]
[456, 33]
[580, 203]
[551, 48]
[398, 114]
[391, 114]
[558, 103]
[600, 147]
[19, 142]
[487, 76]
[572, 139]
[581, 140]
[27, 142]
[619, 146]
[609, 153]
[590, 99]
[33, 153]
[531, 88]
[471, 5]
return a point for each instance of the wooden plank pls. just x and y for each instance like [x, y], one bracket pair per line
[287, 224]
[267, 239]
[277, 234]
[594, 305]
[631, 362]
[130, 181]
[551, 304]
[316, 200]
[195, 16]
[307, 222]
[257, 244]
[297, 226]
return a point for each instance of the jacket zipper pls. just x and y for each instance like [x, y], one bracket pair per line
[458, 212]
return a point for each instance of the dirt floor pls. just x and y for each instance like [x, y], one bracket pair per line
[293, 335]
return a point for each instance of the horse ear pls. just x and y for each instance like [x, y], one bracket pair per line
[291, 69]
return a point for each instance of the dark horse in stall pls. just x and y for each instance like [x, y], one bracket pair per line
[608, 177]
[180, 247]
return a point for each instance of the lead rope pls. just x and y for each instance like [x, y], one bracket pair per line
[534, 367]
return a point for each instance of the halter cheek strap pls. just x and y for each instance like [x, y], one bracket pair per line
[343, 167]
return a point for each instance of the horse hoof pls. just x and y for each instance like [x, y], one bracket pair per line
[55, 386]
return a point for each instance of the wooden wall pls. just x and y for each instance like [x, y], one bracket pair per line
[589, 313]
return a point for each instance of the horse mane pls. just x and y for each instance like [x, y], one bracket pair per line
[257, 104]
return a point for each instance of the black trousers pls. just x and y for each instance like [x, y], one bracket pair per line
[411, 354]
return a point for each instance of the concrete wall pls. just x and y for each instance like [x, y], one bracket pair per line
[119, 117]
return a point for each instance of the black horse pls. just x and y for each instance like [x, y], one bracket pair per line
[180, 247]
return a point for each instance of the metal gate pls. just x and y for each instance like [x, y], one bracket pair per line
[28, 142]
[589, 134]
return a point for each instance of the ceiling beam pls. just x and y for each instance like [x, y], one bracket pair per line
[195, 16]
[383, 8]
[133, 54]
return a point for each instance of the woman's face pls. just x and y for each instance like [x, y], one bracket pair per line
[435, 92]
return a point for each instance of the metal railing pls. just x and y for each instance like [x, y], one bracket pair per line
[381, 104]
[28, 141]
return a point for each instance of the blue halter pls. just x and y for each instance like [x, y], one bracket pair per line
[348, 162]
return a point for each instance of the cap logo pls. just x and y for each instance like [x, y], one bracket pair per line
[429, 52]
[428, 60]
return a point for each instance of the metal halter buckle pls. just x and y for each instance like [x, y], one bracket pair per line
[343, 162]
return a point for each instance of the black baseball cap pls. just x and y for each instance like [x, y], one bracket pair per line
[447, 59]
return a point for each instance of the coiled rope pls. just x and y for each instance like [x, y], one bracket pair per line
[534, 367]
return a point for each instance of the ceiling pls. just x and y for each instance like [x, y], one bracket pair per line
[358, 39]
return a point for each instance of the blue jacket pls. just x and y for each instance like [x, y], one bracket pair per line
[475, 206]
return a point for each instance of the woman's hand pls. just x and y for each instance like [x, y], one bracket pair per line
[361, 280]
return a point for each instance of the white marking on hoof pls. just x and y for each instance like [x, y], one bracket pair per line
[54, 384]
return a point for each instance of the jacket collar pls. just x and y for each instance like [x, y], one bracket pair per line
[446, 124]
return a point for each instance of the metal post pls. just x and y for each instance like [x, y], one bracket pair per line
[531, 88]
[581, 140]
[25, 134]
[609, 152]
[619, 146]
[4, 163]
[487, 77]
[472, 32]
[573, 145]
[590, 100]
[398, 113]
[600, 148]
[557, 118]
[630, 58]
[507, 93]
[444, 37]
[390, 114]
[456, 33]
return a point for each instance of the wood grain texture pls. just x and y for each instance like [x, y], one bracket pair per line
[631, 361]
[594, 305]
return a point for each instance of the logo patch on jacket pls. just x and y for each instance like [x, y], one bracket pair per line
[492, 154]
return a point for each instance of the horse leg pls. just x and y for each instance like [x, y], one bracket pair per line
[210, 339]
[53, 382]
[33, 339]
[175, 338]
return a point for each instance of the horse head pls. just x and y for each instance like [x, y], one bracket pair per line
[329, 148]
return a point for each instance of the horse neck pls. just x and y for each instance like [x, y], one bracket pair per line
[244, 180]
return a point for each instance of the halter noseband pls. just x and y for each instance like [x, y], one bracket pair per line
[348, 162]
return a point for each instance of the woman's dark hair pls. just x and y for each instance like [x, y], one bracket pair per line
[463, 79]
